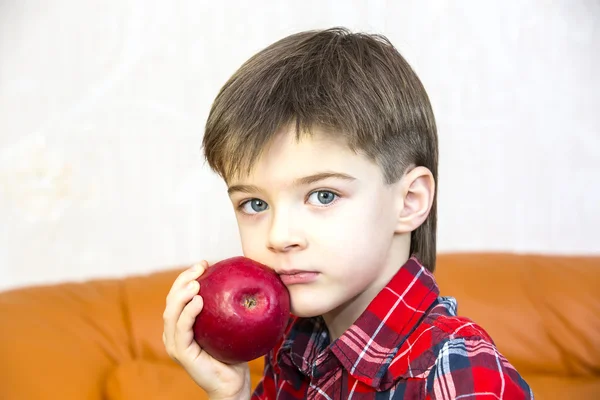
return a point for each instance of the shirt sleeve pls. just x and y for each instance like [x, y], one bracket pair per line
[265, 390]
[473, 368]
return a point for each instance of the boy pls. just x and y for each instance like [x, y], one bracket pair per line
[328, 145]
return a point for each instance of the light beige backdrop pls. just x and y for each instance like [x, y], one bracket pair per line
[102, 107]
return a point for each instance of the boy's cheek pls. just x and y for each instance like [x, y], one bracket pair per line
[254, 244]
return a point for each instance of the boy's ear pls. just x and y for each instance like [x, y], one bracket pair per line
[416, 194]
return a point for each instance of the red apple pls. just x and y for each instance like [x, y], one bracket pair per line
[246, 310]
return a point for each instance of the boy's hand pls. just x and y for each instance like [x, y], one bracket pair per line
[219, 380]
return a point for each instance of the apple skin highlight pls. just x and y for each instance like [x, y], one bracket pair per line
[246, 310]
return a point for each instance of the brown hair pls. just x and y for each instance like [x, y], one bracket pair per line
[354, 84]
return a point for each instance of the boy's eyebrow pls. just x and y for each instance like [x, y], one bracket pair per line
[306, 180]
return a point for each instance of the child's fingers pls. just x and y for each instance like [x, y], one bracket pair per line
[189, 274]
[173, 310]
[180, 294]
[184, 334]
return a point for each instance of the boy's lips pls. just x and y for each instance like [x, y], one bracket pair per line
[292, 277]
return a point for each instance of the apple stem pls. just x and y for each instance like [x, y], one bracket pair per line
[249, 302]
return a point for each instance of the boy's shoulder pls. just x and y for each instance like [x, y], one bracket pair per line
[439, 330]
[445, 323]
[455, 356]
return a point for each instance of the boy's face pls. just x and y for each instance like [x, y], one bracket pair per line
[317, 208]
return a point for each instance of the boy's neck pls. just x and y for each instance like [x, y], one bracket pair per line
[340, 319]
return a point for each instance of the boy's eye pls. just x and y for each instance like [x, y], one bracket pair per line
[321, 197]
[253, 206]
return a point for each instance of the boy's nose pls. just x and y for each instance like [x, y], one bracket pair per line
[285, 234]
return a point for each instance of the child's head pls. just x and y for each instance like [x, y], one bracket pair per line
[350, 94]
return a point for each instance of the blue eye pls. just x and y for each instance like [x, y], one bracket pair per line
[253, 206]
[322, 197]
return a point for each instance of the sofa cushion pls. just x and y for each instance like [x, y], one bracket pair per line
[157, 380]
[147, 380]
[58, 341]
[144, 299]
[548, 387]
[542, 311]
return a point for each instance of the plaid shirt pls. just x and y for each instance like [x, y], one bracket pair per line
[408, 344]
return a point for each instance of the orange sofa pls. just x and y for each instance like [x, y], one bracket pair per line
[101, 339]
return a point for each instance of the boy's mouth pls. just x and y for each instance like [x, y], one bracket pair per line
[294, 277]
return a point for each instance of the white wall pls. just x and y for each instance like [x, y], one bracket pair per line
[102, 107]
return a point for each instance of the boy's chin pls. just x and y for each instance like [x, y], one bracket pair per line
[304, 311]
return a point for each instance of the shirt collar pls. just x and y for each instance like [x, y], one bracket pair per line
[366, 349]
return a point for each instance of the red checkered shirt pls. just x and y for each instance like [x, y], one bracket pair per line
[408, 344]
